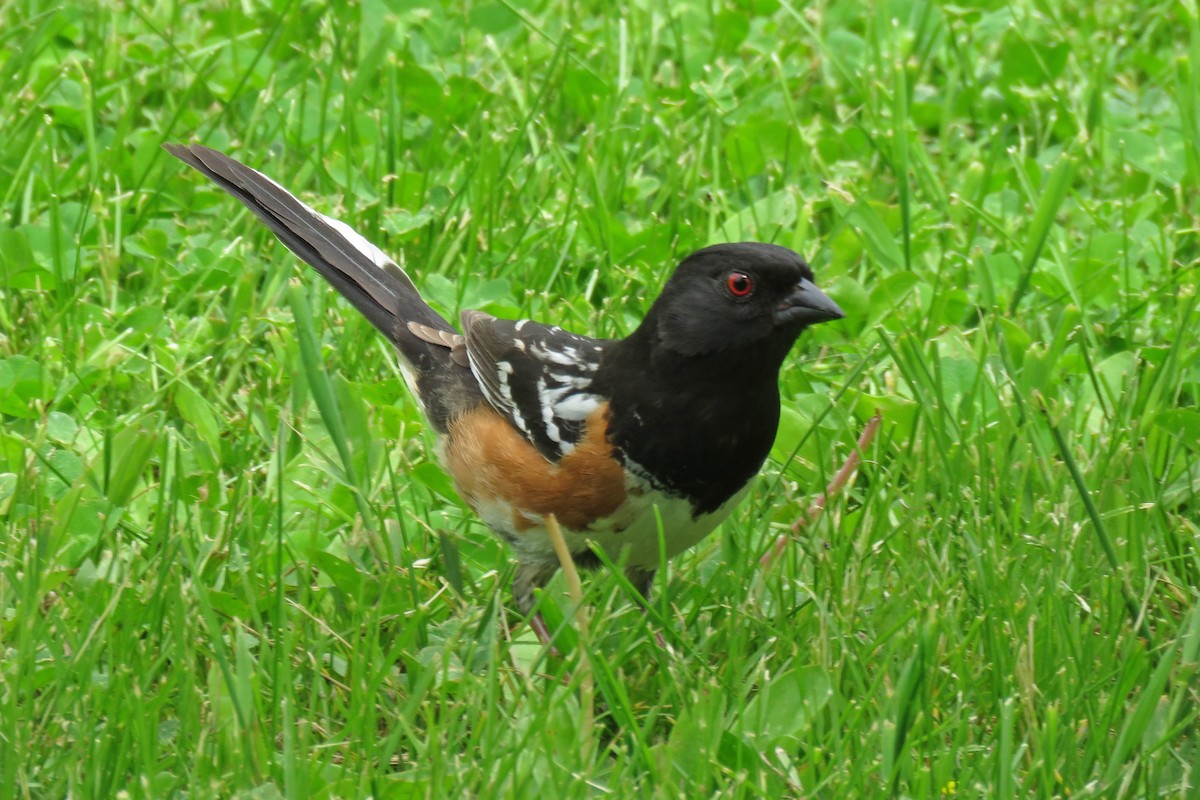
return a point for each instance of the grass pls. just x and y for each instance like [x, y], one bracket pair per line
[230, 565]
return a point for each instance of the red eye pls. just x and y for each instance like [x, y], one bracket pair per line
[739, 284]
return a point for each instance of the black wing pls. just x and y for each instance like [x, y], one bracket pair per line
[538, 376]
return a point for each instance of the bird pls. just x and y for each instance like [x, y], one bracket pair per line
[638, 446]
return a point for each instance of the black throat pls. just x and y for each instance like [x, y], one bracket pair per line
[700, 425]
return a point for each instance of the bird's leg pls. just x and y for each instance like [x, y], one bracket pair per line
[538, 625]
[642, 579]
[533, 575]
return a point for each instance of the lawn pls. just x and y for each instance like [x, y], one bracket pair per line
[229, 562]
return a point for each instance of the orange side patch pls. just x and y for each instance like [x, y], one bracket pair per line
[489, 458]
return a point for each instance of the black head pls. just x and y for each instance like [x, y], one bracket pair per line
[730, 297]
[695, 389]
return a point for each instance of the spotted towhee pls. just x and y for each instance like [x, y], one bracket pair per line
[613, 437]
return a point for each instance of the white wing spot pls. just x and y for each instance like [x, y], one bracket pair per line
[506, 369]
[571, 381]
[547, 404]
[567, 357]
[577, 407]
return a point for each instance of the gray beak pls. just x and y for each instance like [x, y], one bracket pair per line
[809, 305]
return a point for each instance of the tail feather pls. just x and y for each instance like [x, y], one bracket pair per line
[359, 270]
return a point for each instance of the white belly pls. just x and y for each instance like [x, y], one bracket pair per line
[630, 536]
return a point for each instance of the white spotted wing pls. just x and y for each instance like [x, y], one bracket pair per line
[538, 376]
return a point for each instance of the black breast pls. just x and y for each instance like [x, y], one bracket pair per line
[700, 428]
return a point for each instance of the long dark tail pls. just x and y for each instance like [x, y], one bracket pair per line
[359, 270]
